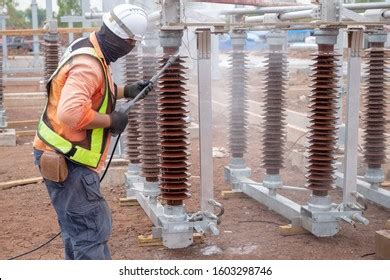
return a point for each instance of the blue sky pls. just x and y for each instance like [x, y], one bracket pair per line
[23, 4]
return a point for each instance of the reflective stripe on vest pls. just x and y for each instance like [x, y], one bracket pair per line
[74, 152]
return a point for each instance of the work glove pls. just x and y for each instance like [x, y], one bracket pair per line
[131, 91]
[119, 121]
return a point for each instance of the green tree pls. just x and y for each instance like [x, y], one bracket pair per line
[17, 19]
[67, 8]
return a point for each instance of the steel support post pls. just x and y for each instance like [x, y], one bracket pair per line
[70, 34]
[85, 8]
[49, 10]
[339, 49]
[3, 20]
[355, 45]
[7, 136]
[34, 17]
[205, 117]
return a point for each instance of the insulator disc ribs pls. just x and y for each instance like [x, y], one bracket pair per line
[51, 49]
[375, 107]
[150, 148]
[173, 122]
[238, 104]
[132, 75]
[273, 134]
[322, 135]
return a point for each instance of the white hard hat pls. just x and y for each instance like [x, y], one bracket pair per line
[127, 21]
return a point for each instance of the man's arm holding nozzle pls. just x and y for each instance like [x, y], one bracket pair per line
[131, 91]
[117, 121]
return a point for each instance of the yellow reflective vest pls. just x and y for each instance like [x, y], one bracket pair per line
[96, 137]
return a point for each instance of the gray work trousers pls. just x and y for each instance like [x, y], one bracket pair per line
[83, 214]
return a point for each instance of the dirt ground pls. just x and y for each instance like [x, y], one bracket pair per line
[248, 229]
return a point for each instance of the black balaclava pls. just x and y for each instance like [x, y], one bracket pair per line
[113, 47]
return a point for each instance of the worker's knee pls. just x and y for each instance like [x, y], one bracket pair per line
[88, 225]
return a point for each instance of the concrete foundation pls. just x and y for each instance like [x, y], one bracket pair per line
[8, 138]
[114, 177]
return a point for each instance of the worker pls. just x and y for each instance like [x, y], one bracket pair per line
[73, 135]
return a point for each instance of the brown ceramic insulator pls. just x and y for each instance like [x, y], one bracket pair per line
[51, 50]
[238, 104]
[375, 105]
[150, 139]
[322, 135]
[132, 75]
[173, 123]
[273, 133]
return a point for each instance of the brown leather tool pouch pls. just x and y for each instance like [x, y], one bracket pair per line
[53, 167]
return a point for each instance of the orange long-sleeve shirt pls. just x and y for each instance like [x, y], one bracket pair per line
[81, 86]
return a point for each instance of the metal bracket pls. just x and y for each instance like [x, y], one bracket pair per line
[353, 15]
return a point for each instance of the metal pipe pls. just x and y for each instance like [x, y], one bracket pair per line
[367, 6]
[152, 17]
[386, 14]
[291, 188]
[298, 15]
[266, 10]
[306, 14]
[254, 19]
[93, 15]
[155, 16]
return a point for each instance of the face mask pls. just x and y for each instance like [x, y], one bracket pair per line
[113, 47]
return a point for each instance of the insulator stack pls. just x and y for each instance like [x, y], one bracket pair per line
[51, 49]
[132, 75]
[375, 105]
[322, 135]
[150, 148]
[173, 122]
[238, 103]
[274, 108]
